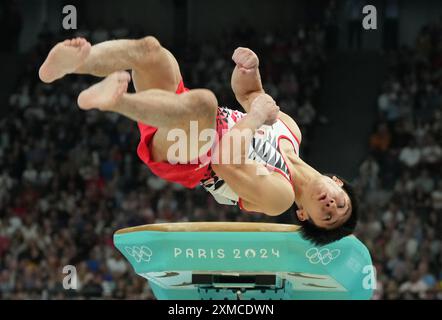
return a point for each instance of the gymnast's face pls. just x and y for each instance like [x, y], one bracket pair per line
[325, 203]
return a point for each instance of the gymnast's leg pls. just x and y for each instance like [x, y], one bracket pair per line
[157, 108]
[152, 65]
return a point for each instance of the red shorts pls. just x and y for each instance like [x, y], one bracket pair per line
[188, 175]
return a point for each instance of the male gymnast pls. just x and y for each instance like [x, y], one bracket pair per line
[265, 174]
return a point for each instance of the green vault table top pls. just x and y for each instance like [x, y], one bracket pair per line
[230, 260]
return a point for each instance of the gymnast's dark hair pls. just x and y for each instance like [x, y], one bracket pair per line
[321, 236]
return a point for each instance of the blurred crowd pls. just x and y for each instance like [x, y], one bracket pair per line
[69, 179]
[401, 179]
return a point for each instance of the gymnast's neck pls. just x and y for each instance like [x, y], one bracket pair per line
[302, 176]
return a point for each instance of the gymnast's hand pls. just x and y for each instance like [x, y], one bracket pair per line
[265, 109]
[245, 59]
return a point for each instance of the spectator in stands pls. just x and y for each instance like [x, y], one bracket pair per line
[436, 197]
[410, 156]
[380, 140]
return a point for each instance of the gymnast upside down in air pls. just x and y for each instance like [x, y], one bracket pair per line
[326, 205]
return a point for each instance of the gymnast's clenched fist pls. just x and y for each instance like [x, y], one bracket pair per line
[245, 59]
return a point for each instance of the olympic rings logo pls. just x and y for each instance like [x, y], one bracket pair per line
[139, 253]
[323, 256]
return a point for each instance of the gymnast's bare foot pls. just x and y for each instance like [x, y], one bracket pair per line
[105, 94]
[64, 58]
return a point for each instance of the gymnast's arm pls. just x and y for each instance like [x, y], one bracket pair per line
[258, 189]
[246, 80]
[246, 84]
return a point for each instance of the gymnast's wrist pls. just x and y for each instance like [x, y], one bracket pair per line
[256, 119]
